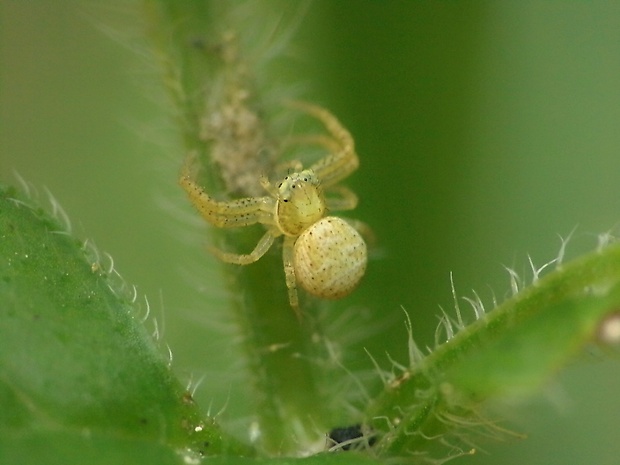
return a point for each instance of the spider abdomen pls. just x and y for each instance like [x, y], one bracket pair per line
[330, 258]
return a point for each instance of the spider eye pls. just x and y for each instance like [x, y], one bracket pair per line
[285, 200]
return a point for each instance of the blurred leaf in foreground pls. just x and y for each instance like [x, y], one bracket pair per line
[75, 359]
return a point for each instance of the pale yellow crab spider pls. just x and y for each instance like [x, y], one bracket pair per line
[324, 254]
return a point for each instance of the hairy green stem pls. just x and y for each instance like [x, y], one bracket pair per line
[201, 47]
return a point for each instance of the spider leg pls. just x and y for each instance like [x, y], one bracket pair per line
[346, 200]
[266, 184]
[231, 214]
[261, 248]
[289, 273]
[342, 160]
[314, 139]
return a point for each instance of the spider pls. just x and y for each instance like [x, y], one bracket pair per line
[324, 254]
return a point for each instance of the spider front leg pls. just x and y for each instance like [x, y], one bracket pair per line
[234, 213]
[264, 244]
[230, 214]
[342, 160]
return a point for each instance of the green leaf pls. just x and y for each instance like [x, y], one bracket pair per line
[517, 362]
[506, 353]
[76, 363]
[67, 447]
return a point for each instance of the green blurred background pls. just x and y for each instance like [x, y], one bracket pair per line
[485, 129]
